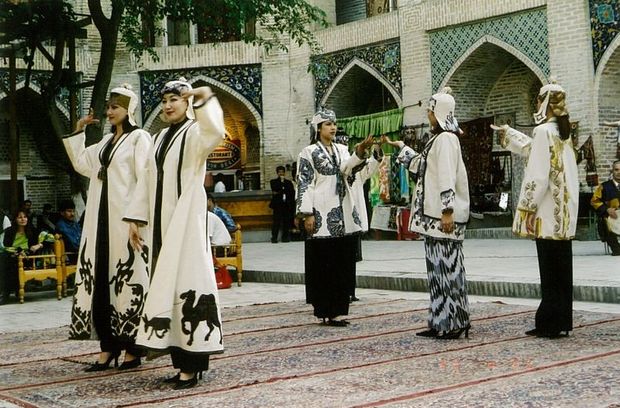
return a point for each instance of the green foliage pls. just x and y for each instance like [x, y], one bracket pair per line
[34, 23]
[278, 19]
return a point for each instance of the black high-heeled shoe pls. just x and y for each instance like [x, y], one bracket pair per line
[105, 365]
[454, 334]
[172, 380]
[428, 333]
[128, 365]
[336, 323]
[553, 335]
[185, 384]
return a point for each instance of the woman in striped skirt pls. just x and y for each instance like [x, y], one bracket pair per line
[440, 211]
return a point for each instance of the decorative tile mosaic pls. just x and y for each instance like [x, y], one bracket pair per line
[245, 79]
[385, 58]
[605, 26]
[37, 78]
[525, 31]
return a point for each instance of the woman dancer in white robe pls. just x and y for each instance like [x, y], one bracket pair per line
[181, 314]
[330, 216]
[440, 211]
[548, 205]
[112, 279]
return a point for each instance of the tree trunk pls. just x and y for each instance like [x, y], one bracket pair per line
[108, 32]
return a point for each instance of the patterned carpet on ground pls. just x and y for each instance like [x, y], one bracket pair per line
[277, 355]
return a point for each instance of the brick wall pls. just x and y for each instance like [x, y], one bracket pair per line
[608, 110]
[490, 81]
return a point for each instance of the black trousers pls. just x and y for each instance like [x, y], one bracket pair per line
[189, 362]
[328, 271]
[282, 220]
[555, 262]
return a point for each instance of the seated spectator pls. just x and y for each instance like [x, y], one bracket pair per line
[218, 234]
[6, 223]
[222, 213]
[26, 206]
[45, 221]
[18, 238]
[68, 227]
[606, 203]
[220, 187]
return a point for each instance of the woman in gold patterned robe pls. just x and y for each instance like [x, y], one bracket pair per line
[547, 206]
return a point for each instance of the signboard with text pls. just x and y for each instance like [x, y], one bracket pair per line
[227, 155]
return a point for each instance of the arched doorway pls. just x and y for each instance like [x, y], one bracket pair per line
[493, 85]
[243, 124]
[360, 90]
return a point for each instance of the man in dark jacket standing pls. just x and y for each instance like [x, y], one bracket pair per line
[282, 204]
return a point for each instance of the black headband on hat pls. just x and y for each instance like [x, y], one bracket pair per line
[175, 87]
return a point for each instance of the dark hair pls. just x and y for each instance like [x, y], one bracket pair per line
[11, 232]
[27, 201]
[435, 130]
[47, 207]
[66, 205]
[280, 168]
[126, 126]
[16, 214]
[614, 163]
[564, 127]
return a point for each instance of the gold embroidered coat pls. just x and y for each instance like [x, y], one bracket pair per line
[550, 186]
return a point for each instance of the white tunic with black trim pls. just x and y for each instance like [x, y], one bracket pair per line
[182, 308]
[441, 185]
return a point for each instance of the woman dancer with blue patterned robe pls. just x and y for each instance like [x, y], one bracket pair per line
[440, 211]
[329, 215]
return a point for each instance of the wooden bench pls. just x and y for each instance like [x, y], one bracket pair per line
[230, 254]
[46, 266]
[67, 268]
[40, 267]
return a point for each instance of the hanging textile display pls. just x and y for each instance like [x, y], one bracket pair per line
[404, 184]
[394, 178]
[476, 145]
[384, 178]
[385, 185]
[381, 123]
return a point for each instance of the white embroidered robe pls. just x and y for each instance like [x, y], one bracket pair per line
[182, 308]
[441, 185]
[356, 181]
[127, 274]
[322, 190]
[550, 186]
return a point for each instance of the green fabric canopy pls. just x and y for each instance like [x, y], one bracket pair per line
[358, 127]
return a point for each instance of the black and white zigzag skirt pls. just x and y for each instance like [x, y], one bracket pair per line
[449, 308]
